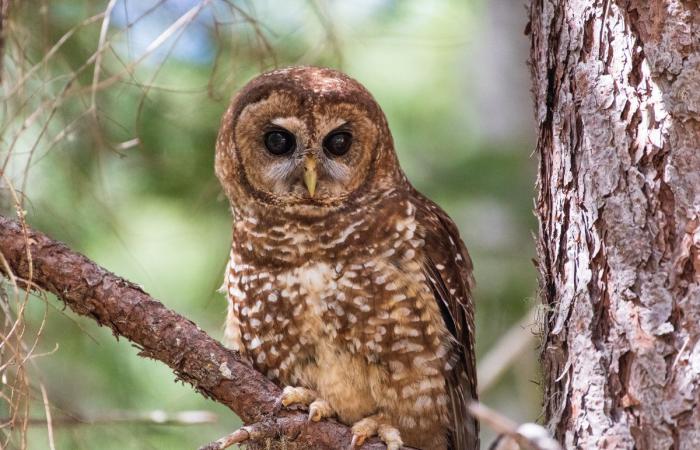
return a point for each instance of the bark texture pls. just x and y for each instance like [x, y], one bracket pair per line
[37, 261]
[617, 99]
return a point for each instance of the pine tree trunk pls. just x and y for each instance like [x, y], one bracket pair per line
[617, 100]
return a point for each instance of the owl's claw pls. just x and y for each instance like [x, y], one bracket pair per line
[318, 408]
[390, 436]
[292, 395]
[361, 430]
[375, 425]
[356, 440]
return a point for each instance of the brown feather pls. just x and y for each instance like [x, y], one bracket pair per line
[362, 292]
[449, 270]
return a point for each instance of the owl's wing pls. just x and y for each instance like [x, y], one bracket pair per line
[448, 269]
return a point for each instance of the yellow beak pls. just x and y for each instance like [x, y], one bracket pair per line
[310, 175]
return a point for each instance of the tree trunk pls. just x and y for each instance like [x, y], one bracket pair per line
[617, 97]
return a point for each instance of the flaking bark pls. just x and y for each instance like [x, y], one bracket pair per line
[161, 334]
[617, 99]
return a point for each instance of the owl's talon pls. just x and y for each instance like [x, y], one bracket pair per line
[376, 425]
[363, 429]
[320, 409]
[292, 395]
[354, 442]
[390, 436]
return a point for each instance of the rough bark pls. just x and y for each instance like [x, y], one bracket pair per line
[617, 99]
[162, 334]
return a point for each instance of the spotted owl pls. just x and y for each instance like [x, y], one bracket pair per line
[345, 284]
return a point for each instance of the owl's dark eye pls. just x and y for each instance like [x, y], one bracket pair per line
[279, 142]
[338, 143]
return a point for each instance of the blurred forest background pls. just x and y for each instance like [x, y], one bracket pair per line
[109, 116]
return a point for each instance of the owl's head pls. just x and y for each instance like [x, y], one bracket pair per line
[305, 139]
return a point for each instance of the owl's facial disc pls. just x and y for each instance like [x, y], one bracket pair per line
[320, 164]
[306, 141]
[297, 153]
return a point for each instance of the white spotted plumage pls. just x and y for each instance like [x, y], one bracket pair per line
[361, 293]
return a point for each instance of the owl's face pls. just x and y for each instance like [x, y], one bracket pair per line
[300, 152]
[305, 139]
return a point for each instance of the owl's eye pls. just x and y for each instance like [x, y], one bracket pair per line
[338, 143]
[279, 142]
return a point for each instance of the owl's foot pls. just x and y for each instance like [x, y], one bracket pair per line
[318, 408]
[376, 425]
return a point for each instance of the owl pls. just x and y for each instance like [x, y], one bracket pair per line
[345, 284]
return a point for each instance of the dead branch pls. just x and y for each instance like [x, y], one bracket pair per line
[161, 334]
[528, 436]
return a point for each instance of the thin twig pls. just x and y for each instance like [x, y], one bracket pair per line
[100, 51]
[506, 351]
[528, 436]
[238, 436]
[47, 411]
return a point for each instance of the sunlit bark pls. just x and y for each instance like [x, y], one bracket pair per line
[617, 96]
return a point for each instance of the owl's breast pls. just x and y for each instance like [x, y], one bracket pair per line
[284, 315]
[350, 308]
[316, 326]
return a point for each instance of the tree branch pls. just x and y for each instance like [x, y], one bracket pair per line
[36, 261]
